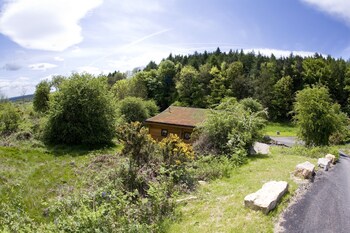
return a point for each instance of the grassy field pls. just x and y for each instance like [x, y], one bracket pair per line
[30, 178]
[33, 177]
[219, 205]
[285, 129]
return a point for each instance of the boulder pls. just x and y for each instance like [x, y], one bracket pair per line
[260, 148]
[305, 170]
[324, 163]
[331, 157]
[266, 198]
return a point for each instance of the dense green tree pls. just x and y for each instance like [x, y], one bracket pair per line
[316, 116]
[151, 66]
[282, 99]
[135, 86]
[239, 86]
[154, 86]
[82, 112]
[263, 84]
[166, 75]
[133, 109]
[41, 97]
[57, 81]
[218, 89]
[316, 70]
[189, 88]
[114, 77]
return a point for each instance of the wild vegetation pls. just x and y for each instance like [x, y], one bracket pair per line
[79, 159]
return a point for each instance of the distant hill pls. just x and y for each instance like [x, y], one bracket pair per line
[23, 97]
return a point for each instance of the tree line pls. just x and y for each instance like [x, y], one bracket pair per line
[203, 79]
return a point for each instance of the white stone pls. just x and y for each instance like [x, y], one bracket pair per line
[305, 170]
[202, 182]
[260, 148]
[331, 157]
[324, 163]
[266, 198]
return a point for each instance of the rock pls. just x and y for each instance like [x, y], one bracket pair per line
[324, 163]
[331, 157]
[266, 198]
[202, 182]
[305, 170]
[260, 148]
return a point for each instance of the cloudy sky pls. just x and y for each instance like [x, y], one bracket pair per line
[41, 38]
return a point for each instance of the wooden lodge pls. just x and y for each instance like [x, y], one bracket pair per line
[176, 120]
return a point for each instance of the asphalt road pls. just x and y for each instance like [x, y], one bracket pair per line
[326, 205]
[288, 141]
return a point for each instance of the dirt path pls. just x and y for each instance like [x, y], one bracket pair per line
[326, 205]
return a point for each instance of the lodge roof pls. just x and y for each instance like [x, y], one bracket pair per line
[182, 116]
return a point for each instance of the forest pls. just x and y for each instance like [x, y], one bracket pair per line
[203, 79]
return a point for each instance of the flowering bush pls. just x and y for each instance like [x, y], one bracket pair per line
[175, 152]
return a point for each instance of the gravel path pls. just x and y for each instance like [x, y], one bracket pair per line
[325, 207]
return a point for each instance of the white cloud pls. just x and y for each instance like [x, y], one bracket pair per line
[58, 59]
[17, 87]
[42, 66]
[45, 25]
[337, 8]
[152, 6]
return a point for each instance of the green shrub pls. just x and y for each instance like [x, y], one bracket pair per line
[317, 117]
[212, 167]
[133, 109]
[9, 118]
[81, 112]
[229, 130]
[41, 97]
[152, 108]
[251, 105]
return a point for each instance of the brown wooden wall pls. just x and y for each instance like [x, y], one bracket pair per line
[155, 130]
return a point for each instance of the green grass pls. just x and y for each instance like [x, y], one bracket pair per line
[219, 205]
[285, 129]
[33, 177]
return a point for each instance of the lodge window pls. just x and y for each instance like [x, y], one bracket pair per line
[187, 136]
[164, 132]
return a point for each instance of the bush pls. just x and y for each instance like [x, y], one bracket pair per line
[251, 105]
[212, 167]
[41, 97]
[81, 112]
[230, 130]
[317, 118]
[9, 118]
[176, 156]
[133, 109]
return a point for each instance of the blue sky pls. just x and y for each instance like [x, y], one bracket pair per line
[42, 38]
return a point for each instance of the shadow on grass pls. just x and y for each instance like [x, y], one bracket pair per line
[79, 150]
[257, 156]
